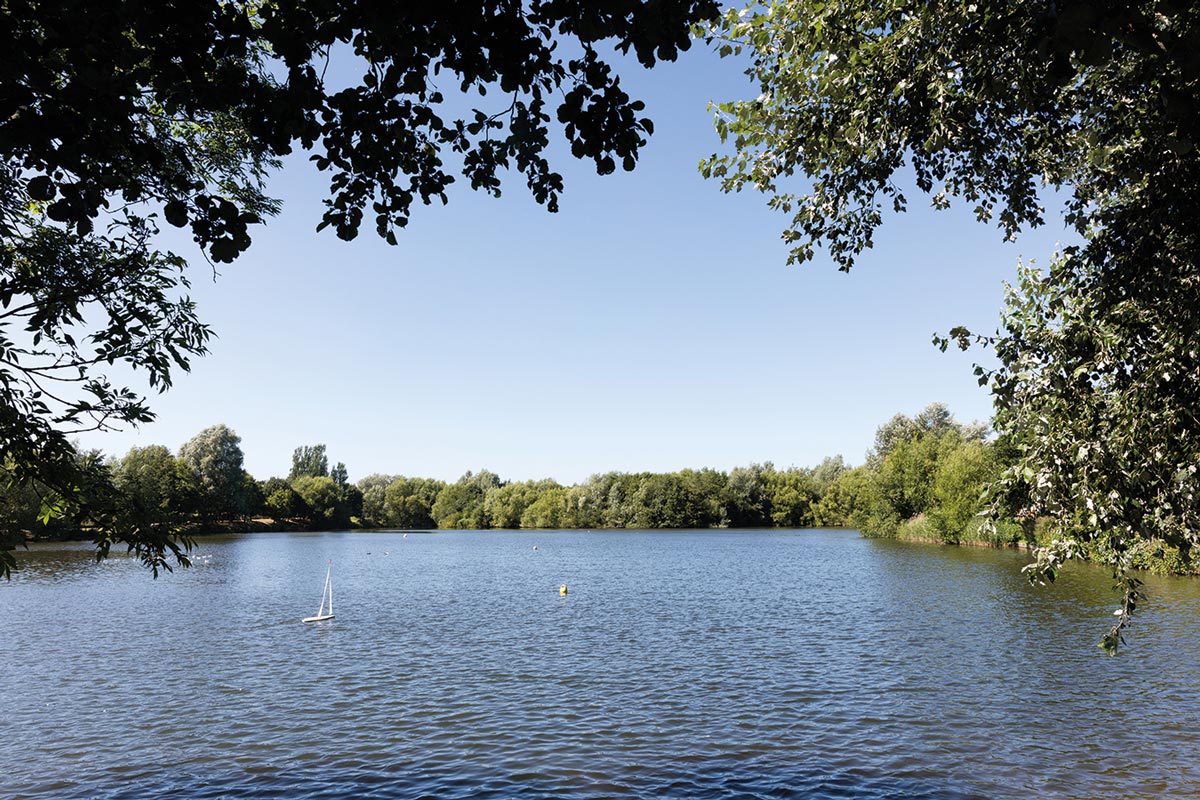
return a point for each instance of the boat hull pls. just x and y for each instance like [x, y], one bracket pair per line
[318, 618]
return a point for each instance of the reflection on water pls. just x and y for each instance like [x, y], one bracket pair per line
[806, 664]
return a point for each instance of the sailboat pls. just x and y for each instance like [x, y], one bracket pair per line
[327, 592]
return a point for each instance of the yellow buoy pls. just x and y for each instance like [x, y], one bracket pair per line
[562, 589]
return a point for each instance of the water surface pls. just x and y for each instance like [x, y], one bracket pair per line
[703, 664]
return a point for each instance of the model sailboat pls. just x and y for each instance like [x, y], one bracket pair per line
[327, 592]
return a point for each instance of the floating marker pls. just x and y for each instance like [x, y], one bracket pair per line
[562, 589]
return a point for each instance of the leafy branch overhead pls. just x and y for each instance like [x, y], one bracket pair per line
[983, 101]
[190, 104]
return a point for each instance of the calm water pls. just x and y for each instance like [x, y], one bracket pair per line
[797, 664]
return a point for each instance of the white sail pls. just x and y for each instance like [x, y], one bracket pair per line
[326, 591]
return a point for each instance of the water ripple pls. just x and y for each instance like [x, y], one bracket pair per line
[699, 665]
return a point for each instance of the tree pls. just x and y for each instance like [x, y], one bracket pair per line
[319, 495]
[179, 95]
[93, 139]
[706, 491]
[906, 476]
[117, 116]
[309, 461]
[20, 509]
[24, 511]
[51, 379]
[985, 101]
[827, 472]
[350, 503]
[792, 493]
[505, 505]
[551, 509]
[899, 429]
[898, 484]
[1101, 406]
[156, 487]
[667, 501]
[845, 499]
[619, 491]
[215, 456]
[461, 504]
[325, 499]
[280, 500]
[339, 474]
[374, 492]
[254, 502]
[747, 504]
[588, 502]
[958, 485]
[408, 502]
[80, 496]
[988, 101]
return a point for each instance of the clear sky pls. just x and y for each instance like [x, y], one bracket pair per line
[651, 324]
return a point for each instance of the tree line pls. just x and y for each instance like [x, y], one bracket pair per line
[201, 488]
[926, 477]
[923, 473]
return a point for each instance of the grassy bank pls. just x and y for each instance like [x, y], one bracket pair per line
[1148, 554]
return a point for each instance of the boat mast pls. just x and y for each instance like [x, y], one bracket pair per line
[327, 589]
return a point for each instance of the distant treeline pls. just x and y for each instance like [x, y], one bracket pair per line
[923, 479]
[928, 465]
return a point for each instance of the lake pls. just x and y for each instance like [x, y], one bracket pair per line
[690, 664]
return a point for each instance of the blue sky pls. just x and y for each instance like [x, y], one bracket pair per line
[651, 324]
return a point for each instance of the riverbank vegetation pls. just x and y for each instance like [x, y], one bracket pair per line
[924, 479]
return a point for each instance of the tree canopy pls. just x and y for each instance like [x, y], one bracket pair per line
[991, 103]
[309, 460]
[215, 457]
[116, 117]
